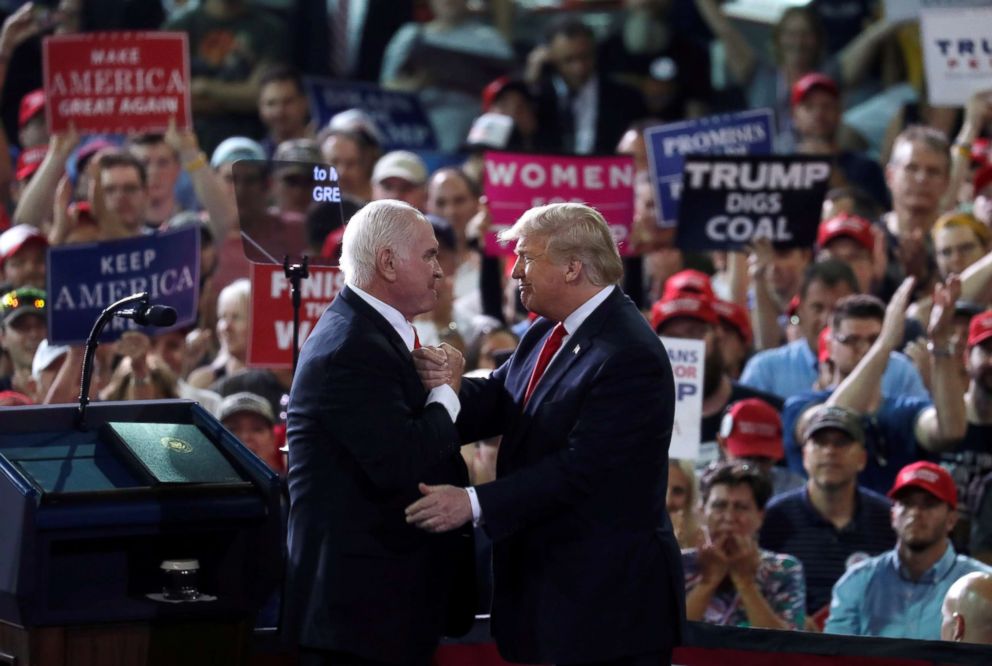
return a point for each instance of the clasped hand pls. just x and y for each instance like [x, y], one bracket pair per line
[730, 554]
[439, 365]
[441, 509]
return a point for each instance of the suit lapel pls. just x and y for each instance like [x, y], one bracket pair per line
[366, 311]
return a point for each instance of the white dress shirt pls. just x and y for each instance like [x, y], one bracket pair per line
[585, 112]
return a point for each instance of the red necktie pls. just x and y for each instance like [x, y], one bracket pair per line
[416, 339]
[551, 345]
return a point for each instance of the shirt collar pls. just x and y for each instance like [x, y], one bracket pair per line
[938, 571]
[581, 313]
[399, 323]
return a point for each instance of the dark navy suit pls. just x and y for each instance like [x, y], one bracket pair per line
[586, 567]
[361, 580]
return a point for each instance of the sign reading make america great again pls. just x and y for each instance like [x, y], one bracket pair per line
[516, 182]
[116, 82]
[83, 279]
[729, 201]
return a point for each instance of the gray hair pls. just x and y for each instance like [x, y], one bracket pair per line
[574, 231]
[377, 226]
[239, 290]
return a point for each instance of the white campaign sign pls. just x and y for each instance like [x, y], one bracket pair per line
[957, 53]
[903, 10]
[687, 366]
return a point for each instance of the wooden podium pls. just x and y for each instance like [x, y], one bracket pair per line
[83, 535]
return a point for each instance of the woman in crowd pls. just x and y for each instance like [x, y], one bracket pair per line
[233, 305]
[729, 580]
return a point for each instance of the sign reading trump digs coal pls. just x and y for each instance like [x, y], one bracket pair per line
[116, 82]
[729, 201]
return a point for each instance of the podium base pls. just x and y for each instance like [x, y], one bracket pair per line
[127, 644]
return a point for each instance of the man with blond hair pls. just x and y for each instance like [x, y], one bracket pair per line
[586, 567]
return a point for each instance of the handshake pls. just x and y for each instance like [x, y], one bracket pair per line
[439, 365]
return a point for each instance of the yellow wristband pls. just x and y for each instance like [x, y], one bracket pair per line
[197, 164]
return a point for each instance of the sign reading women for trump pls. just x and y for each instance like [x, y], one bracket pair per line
[687, 357]
[116, 82]
[744, 133]
[728, 201]
[957, 52]
[516, 182]
[85, 279]
[270, 343]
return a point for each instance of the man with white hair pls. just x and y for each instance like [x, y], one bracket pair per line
[365, 587]
[966, 615]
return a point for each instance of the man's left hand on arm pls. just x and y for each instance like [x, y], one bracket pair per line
[441, 509]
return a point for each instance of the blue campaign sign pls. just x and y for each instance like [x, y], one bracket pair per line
[742, 133]
[83, 279]
[399, 115]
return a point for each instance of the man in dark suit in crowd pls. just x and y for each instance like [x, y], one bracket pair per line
[364, 586]
[586, 568]
[578, 110]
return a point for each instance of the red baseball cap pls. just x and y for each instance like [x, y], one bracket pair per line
[980, 328]
[497, 87]
[980, 150]
[810, 82]
[752, 428]
[31, 105]
[846, 225]
[737, 317]
[983, 177]
[929, 476]
[684, 305]
[823, 345]
[17, 237]
[29, 160]
[688, 282]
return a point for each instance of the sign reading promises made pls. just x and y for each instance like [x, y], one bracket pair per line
[728, 201]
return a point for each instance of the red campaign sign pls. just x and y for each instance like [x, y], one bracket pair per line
[116, 82]
[270, 341]
[516, 182]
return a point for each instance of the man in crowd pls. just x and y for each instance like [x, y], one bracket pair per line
[578, 111]
[249, 418]
[966, 615]
[401, 175]
[586, 568]
[831, 523]
[364, 586]
[970, 463]
[353, 158]
[282, 107]
[22, 257]
[751, 432]
[899, 593]
[850, 239]
[792, 368]
[23, 325]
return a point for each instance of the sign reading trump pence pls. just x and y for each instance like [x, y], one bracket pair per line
[687, 357]
[270, 343]
[729, 201]
[515, 183]
[743, 133]
[957, 53]
[116, 82]
[84, 279]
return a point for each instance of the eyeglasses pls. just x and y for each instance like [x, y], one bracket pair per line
[855, 341]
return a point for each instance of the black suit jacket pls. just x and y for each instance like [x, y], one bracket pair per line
[618, 106]
[360, 579]
[586, 567]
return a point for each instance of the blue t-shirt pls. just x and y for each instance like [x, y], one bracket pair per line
[791, 369]
[889, 436]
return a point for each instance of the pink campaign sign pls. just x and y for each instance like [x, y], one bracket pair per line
[516, 182]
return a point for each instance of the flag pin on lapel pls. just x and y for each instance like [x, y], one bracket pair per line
[576, 349]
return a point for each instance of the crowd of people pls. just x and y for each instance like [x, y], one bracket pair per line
[844, 475]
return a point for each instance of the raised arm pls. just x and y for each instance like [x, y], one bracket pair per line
[222, 214]
[741, 58]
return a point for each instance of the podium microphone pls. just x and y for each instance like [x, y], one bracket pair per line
[141, 313]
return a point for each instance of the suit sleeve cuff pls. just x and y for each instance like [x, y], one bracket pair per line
[476, 508]
[447, 398]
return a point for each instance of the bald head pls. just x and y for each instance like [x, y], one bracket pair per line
[967, 610]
